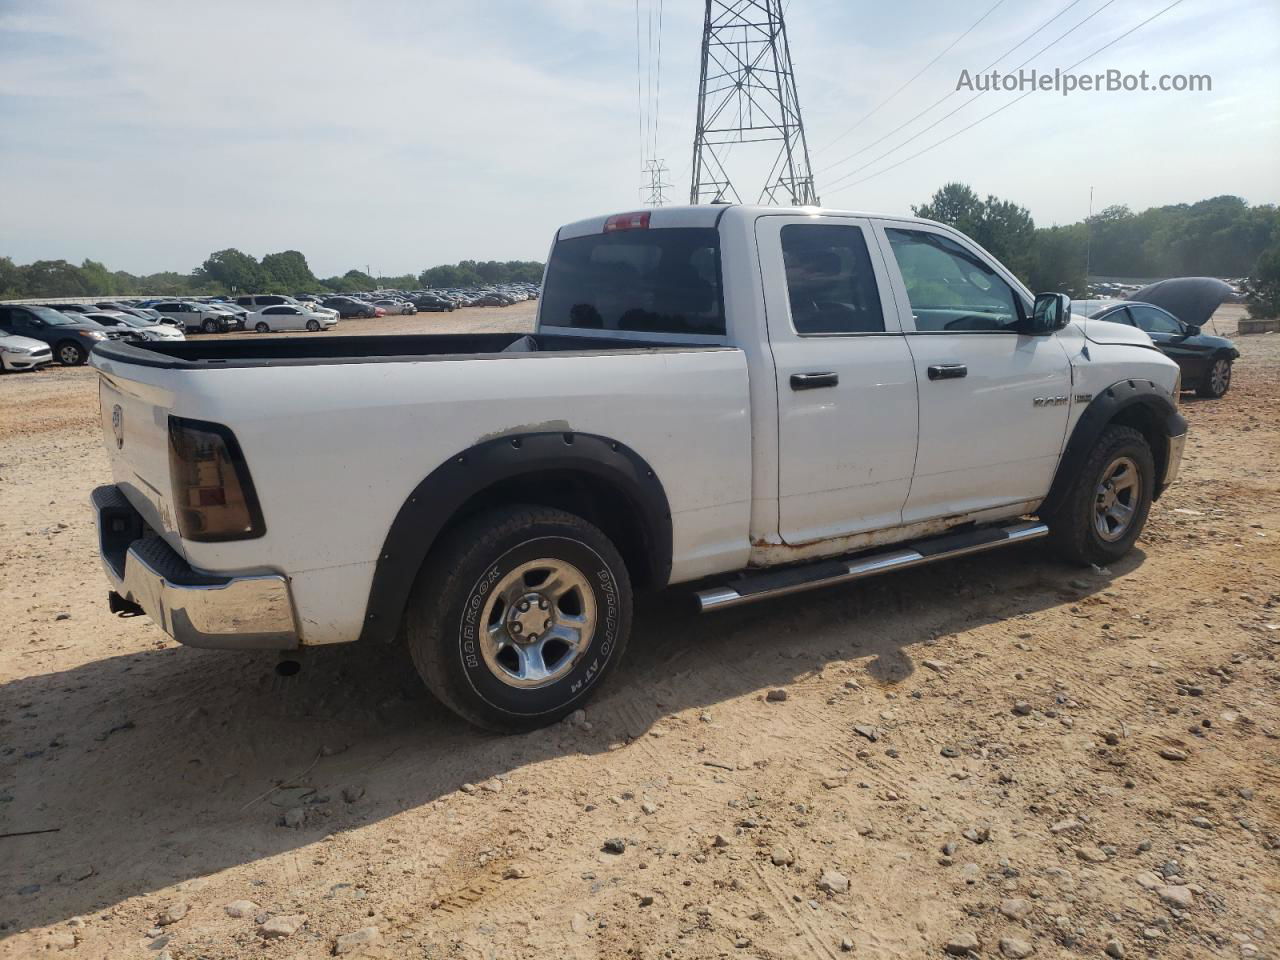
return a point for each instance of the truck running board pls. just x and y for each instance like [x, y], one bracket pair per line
[822, 573]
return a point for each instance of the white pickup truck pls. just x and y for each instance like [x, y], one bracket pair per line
[747, 400]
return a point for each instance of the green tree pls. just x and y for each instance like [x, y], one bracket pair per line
[1058, 261]
[238, 272]
[289, 271]
[54, 278]
[954, 204]
[470, 273]
[11, 279]
[1263, 287]
[1002, 227]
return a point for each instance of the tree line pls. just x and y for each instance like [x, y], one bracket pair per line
[1219, 237]
[232, 271]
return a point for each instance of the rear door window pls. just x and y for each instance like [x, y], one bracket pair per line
[830, 281]
[646, 281]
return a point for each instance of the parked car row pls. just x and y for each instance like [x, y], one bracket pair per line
[378, 303]
[32, 335]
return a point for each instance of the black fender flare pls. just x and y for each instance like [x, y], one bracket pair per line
[437, 499]
[1138, 400]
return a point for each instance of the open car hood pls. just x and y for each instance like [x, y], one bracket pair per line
[1191, 299]
[1104, 331]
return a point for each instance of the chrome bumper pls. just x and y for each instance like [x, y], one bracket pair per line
[196, 609]
[1173, 462]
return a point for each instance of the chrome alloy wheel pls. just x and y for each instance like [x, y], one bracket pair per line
[538, 622]
[1220, 377]
[1116, 502]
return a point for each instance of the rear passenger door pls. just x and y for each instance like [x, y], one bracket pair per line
[846, 386]
[994, 401]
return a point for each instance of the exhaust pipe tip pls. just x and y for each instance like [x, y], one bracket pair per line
[288, 667]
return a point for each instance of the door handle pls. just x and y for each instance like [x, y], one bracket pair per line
[948, 371]
[813, 381]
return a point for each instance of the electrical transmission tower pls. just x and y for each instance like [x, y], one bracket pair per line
[747, 94]
[655, 191]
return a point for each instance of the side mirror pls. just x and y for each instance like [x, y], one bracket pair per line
[1191, 330]
[1051, 313]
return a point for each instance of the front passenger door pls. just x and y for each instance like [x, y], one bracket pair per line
[993, 400]
[1170, 334]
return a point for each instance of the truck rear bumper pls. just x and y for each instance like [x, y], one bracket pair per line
[197, 609]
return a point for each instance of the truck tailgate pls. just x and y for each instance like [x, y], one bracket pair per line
[135, 430]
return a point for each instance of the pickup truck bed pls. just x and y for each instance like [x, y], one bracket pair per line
[341, 433]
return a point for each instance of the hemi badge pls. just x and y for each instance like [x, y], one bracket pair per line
[1083, 397]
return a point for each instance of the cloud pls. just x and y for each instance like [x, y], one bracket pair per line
[404, 133]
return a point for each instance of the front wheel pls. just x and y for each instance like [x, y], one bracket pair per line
[261, 327]
[518, 615]
[1105, 510]
[71, 354]
[1218, 380]
[210, 325]
[313, 325]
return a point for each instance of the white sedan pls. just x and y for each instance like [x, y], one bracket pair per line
[22, 353]
[289, 317]
[137, 326]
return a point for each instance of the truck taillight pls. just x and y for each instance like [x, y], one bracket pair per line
[627, 221]
[213, 493]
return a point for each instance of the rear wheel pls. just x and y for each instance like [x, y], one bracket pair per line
[71, 354]
[1218, 380]
[1106, 509]
[518, 615]
[313, 325]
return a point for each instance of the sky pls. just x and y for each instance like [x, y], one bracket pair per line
[398, 134]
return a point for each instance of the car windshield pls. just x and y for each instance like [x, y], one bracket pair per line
[54, 318]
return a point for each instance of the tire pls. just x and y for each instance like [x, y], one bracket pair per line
[313, 325]
[209, 325]
[1076, 530]
[70, 353]
[262, 327]
[1217, 379]
[484, 572]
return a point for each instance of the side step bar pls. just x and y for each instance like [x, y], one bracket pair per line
[768, 584]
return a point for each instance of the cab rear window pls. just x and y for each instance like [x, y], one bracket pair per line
[647, 281]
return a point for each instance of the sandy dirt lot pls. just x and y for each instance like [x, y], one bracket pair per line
[1001, 755]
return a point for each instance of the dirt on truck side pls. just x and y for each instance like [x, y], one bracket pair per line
[1001, 756]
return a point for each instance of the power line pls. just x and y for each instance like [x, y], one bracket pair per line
[639, 105]
[952, 136]
[981, 93]
[949, 95]
[657, 100]
[916, 76]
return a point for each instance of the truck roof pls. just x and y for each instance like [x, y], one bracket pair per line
[710, 215]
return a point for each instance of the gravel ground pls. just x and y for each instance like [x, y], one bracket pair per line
[999, 756]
